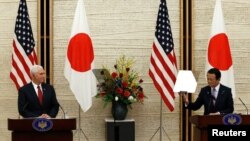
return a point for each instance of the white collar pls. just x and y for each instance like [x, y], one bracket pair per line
[35, 85]
[216, 88]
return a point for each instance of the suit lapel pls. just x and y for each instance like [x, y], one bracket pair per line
[220, 95]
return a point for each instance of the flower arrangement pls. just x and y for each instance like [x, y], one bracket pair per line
[122, 84]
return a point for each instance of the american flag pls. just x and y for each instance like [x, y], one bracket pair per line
[24, 53]
[163, 68]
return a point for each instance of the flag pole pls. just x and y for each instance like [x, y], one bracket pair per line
[79, 129]
[160, 128]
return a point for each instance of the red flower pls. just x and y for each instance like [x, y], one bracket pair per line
[119, 90]
[114, 75]
[125, 84]
[141, 95]
[126, 93]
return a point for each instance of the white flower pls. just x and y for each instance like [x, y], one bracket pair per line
[116, 98]
[130, 98]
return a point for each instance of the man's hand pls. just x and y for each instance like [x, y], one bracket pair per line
[44, 116]
[184, 96]
[217, 113]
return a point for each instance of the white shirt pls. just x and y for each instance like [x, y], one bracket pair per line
[216, 91]
[35, 87]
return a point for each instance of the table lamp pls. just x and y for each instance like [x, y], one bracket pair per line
[185, 82]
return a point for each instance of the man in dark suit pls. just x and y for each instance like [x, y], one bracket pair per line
[34, 101]
[216, 98]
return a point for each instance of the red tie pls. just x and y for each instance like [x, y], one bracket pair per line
[40, 94]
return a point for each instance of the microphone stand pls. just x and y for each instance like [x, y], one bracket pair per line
[160, 127]
[64, 114]
[244, 104]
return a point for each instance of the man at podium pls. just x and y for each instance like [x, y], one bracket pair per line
[216, 98]
[37, 99]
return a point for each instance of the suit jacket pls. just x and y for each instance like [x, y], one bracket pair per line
[28, 103]
[224, 102]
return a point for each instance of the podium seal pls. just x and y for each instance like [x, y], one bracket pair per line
[232, 119]
[42, 124]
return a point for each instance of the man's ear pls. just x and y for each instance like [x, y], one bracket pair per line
[32, 75]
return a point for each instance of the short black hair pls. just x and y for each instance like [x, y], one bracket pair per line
[216, 72]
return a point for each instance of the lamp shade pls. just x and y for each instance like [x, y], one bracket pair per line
[185, 82]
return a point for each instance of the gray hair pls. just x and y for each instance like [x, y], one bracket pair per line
[34, 69]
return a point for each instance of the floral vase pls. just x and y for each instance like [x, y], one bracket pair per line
[119, 110]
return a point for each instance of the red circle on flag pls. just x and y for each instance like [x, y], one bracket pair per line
[219, 55]
[80, 52]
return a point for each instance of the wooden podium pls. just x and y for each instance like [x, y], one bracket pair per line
[202, 123]
[22, 130]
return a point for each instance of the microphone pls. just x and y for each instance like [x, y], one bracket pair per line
[64, 114]
[244, 104]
